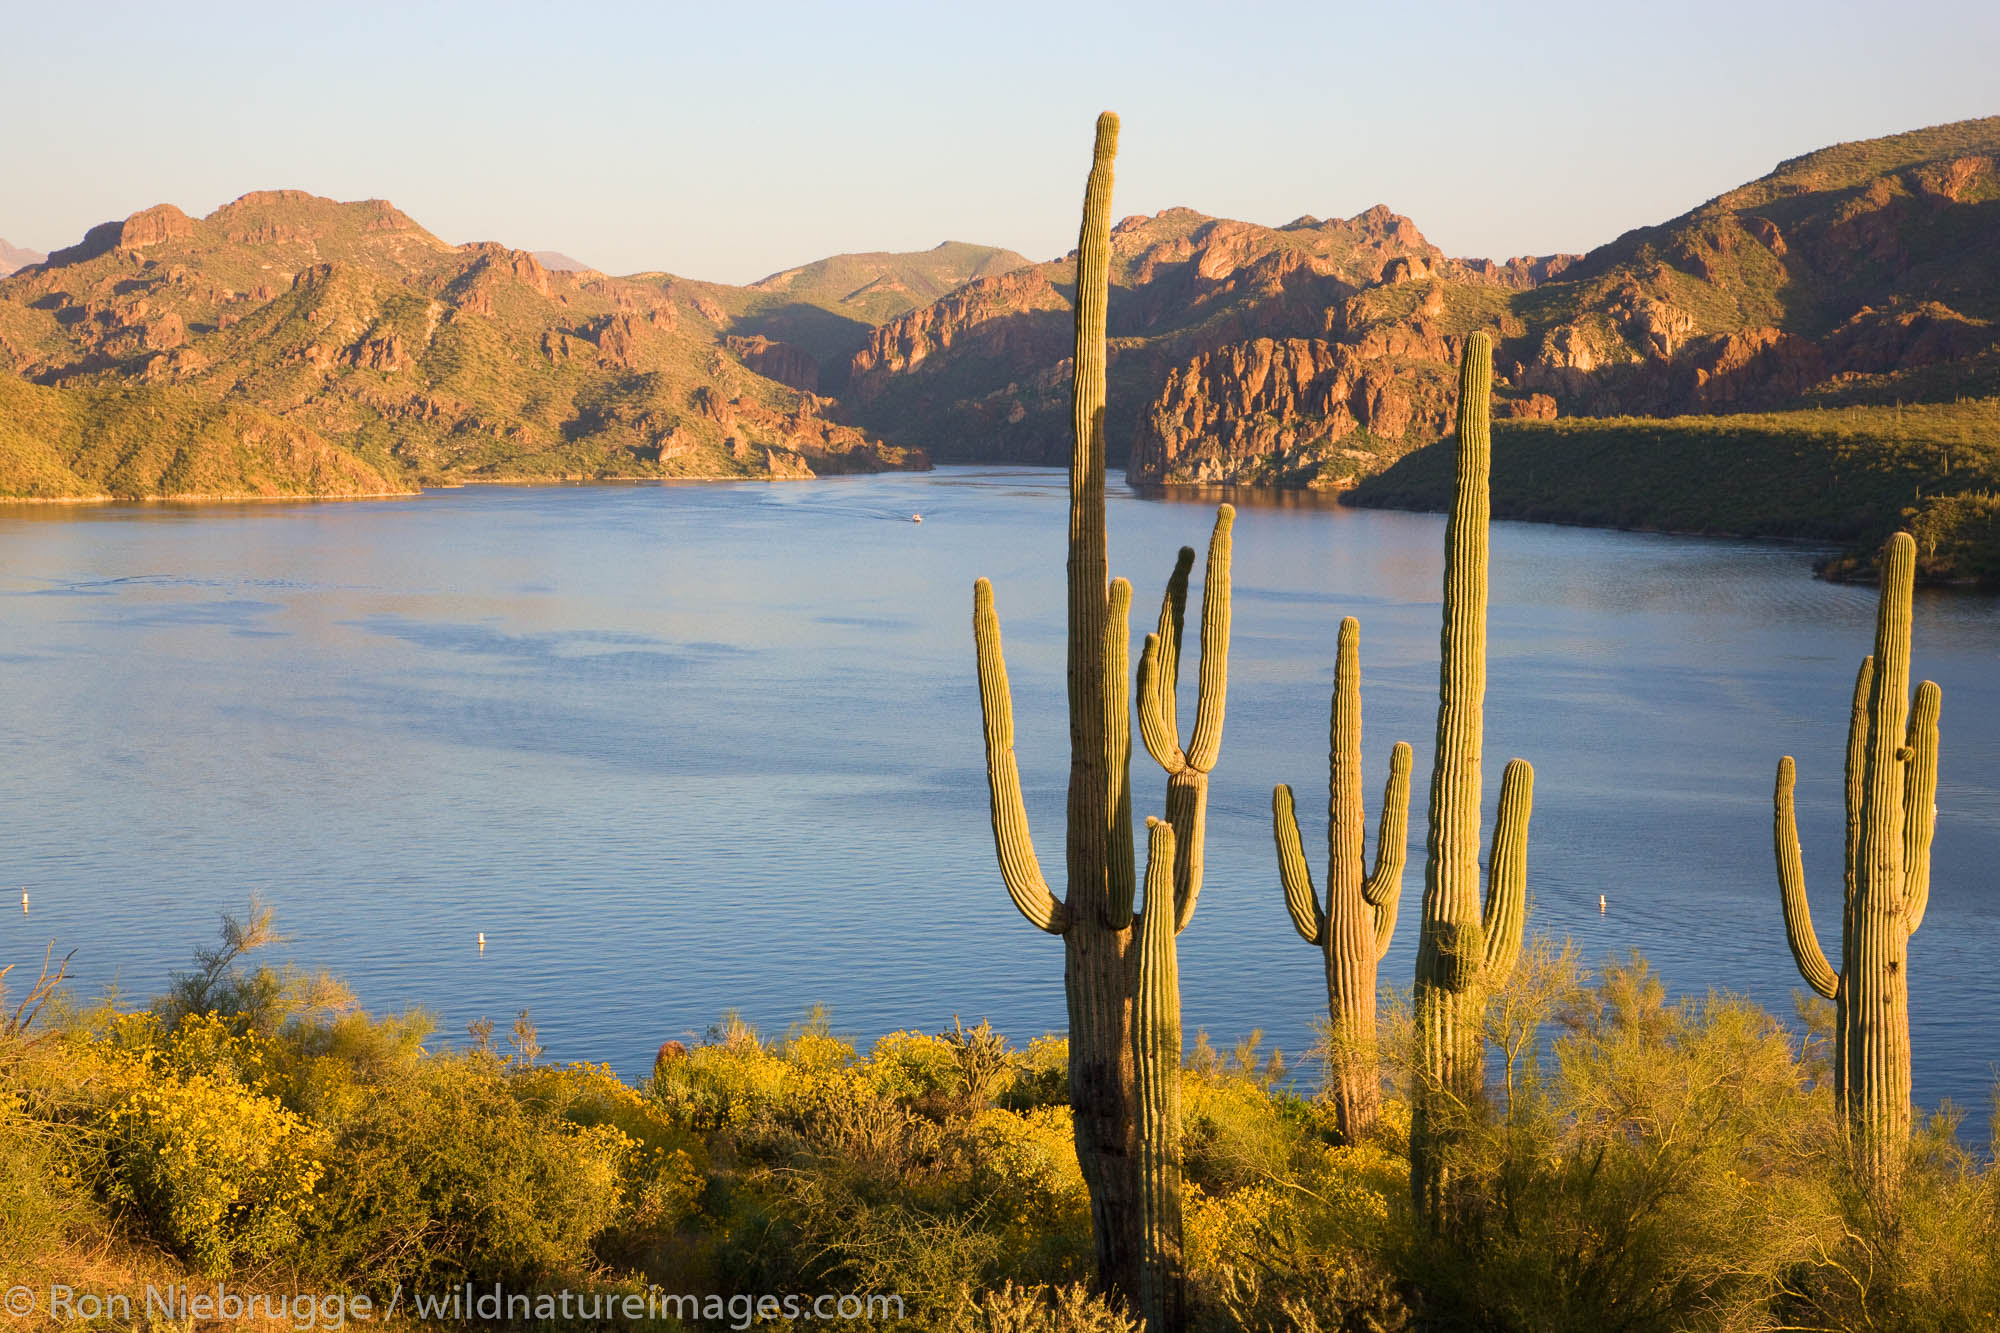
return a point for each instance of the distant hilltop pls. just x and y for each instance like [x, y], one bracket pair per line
[13, 257]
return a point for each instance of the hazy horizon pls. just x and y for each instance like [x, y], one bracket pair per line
[638, 139]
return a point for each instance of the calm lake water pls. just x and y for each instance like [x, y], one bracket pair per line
[678, 749]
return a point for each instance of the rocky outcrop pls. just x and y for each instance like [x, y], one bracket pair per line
[1270, 409]
[1905, 338]
[149, 226]
[788, 365]
[1018, 318]
[1754, 369]
[617, 338]
[154, 226]
[486, 270]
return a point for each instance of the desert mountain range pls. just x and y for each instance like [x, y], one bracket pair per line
[1315, 352]
[287, 343]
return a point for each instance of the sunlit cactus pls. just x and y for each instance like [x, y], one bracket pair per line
[1892, 749]
[1159, 675]
[1354, 927]
[1121, 975]
[1463, 950]
[1156, 1057]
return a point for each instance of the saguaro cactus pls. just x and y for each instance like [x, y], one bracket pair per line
[1359, 919]
[1463, 952]
[1157, 1066]
[1159, 676]
[1892, 750]
[1121, 975]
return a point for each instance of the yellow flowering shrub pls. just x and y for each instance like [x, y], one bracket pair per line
[660, 1166]
[817, 1050]
[1041, 1074]
[221, 1173]
[1027, 1163]
[1233, 1133]
[723, 1086]
[909, 1065]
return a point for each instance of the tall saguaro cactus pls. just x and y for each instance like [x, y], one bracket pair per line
[1463, 951]
[1353, 930]
[1121, 974]
[1892, 749]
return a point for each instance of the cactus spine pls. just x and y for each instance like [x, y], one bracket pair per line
[1463, 952]
[1891, 784]
[1121, 974]
[1359, 919]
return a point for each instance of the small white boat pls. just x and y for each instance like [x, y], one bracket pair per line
[916, 518]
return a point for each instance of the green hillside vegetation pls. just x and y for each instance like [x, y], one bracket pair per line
[139, 442]
[1818, 237]
[1846, 475]
[1644, 1166]
[429, 362]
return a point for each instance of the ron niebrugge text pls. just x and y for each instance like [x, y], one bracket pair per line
[307, 1311]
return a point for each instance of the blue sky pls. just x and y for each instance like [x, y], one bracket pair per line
[729, 141]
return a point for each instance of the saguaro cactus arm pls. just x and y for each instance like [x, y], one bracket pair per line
[1122, 878]
[1159, 672]
[1205, 745]
[1799, 933]
[1920, 803]
[1384, 888]
[1506, 911]
[1301, 900]
[1019, 868]
[1156, 1058]
[1159, 664]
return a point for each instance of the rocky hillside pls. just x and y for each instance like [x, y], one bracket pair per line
[1198, 304]
[415, 359]
[13, 257]
[821, 314]
[1319, 352]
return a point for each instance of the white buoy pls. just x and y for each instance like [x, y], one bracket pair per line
[1600, 904]
[24, 901]
[482, 941]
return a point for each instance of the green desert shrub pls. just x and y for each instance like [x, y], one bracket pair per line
[445, 1170]
[1958, 536]
[1930, 1264]
[1661, 1173]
